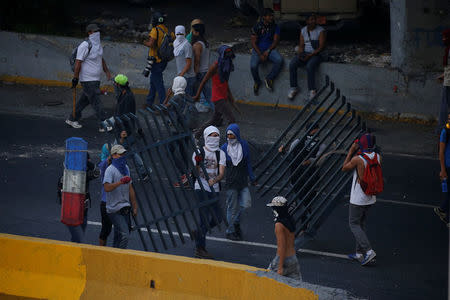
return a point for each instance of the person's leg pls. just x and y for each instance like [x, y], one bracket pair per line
[106, 225]
[190, 86]
[356, 214]
[76, 235]
[81, 104]
[277, 63]
[444, 108]
[245, 201]
[293, 69]
[160, 83]
[254, 66]
[227, 111]
[92, 91]
[121, 229]
[156, 83]
[311, 66]
[232, 209]
[215, 119]
[142, 171]
[200, 238]
[206, 90]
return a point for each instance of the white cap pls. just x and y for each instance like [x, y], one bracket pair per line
[278, 201]
[118, 149]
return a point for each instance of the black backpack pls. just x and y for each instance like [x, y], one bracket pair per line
[73, 56]
[165, 50]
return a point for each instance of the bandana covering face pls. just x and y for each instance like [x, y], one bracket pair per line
[234, 149]
[225, 62]
[211, 142]
[121, 165]
[180, 40]
[179, 85]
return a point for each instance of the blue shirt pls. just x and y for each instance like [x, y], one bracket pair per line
[443, 139]
[265, 35]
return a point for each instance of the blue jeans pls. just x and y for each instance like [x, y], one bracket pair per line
[237, 202]
[206, 91]
[77, 232]
[311, 66]
[156, 83]
[190, 86]
[121, 229]
[205, 216]
[277, 62]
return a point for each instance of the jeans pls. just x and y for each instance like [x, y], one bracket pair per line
[444, 109]
[277, 63]
[190, 86]
[205, 216]
[90, 95]
[121, 224]
[180, 156]
[157, 83]
[445, 200]
[311, 66]
[77, 232]
[357, 217]
[106, 222]
[237, 202]
[206, 91]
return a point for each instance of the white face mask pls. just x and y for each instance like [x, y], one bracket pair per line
[212, 143]
[232, 141]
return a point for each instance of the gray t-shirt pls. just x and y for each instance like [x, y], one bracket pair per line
[180, 60]
[120, 196]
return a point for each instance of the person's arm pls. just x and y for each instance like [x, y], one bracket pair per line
[198, 49]
[187, 66]
[254, 40]
[133, 200]
[169, 95]
[281, 246]
[106, 70]
[301, 44]
[153, 35]
[211, 71]
[213, 181]
[109, 187]
[76, 72]
[350, 162]
[322, 41]
[443, 172]
[318, 154]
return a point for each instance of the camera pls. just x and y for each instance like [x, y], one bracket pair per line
[148, 67]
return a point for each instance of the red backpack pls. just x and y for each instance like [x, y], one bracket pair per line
[372, 180]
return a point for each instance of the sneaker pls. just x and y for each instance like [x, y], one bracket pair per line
[292, 93]
[256, 88]
[74, 124]
[356, 256]
[202, 253]
[232, 236]
[184, 181]
[441, 214]
[312, 94]
[370, 255]
[269, 84]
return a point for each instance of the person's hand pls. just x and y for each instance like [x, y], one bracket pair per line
[262, 57]
[169, 92]
[354, 148]
[307, 57]
[196, 97]
[198, 159]
[280, 270]
[108, 75]
[281, 148]
[211, 181]
[74, 82]
[125, 179]
[443, 174]
[134, 211]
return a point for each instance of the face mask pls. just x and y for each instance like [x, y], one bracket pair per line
[212, 143]
[232, 141]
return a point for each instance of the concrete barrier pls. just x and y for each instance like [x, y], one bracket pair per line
[379, 92]
[35, 268]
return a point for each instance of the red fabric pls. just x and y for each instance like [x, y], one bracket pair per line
[125, 179]
[372, 181]
[219, 89]
[446, 36]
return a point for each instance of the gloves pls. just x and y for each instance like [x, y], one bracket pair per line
[125, 179]
[198, 159]
[74, 82]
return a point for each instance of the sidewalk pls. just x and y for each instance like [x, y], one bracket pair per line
[260, 125]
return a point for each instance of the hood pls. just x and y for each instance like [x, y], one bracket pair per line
[179, 85]
[235, 128]
[208, 130]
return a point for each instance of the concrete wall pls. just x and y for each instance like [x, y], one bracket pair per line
[32, 268]
[416, 40]
[384, 92]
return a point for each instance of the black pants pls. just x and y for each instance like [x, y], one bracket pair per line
[106, 222]
[90, 95]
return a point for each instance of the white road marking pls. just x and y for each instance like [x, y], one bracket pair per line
[402, 202]
[212, 238]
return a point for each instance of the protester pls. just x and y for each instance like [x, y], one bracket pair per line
[182, 50]
[214, 161]
[285, 262]
[88, 68]
[444, 160]
[201, 63]
[194, 22]
[445, 79]
[310, 54]
[106, 222]
[221, 94]
[158, 66]
[126, 141]
[357, 159]
[120, 196]
[238, 170]
[265, 37]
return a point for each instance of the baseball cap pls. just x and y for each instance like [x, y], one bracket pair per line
[92, 27]
[118, 149]
[121, 79]
[278, 201]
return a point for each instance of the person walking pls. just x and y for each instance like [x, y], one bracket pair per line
[360, 202]
[106, 222]
[154, 42]
[310, 55]
[182, 51]
[221, 94]
[285, 262]
[265, 37]
[89, 65]
[444, 162]
[120, 196]
[238, 171]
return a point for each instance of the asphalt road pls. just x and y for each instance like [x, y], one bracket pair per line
[410, 241]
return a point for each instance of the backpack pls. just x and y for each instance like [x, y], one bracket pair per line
[73, 56]
[372, 180]
[165, 50]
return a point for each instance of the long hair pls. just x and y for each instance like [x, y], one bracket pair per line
[200, 28]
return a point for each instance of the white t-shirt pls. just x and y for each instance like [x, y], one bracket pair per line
[357, 196]
[180, 60]
[120, 196]
[91, 66]
[204, 58]
[314, 36]
[211, 167]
